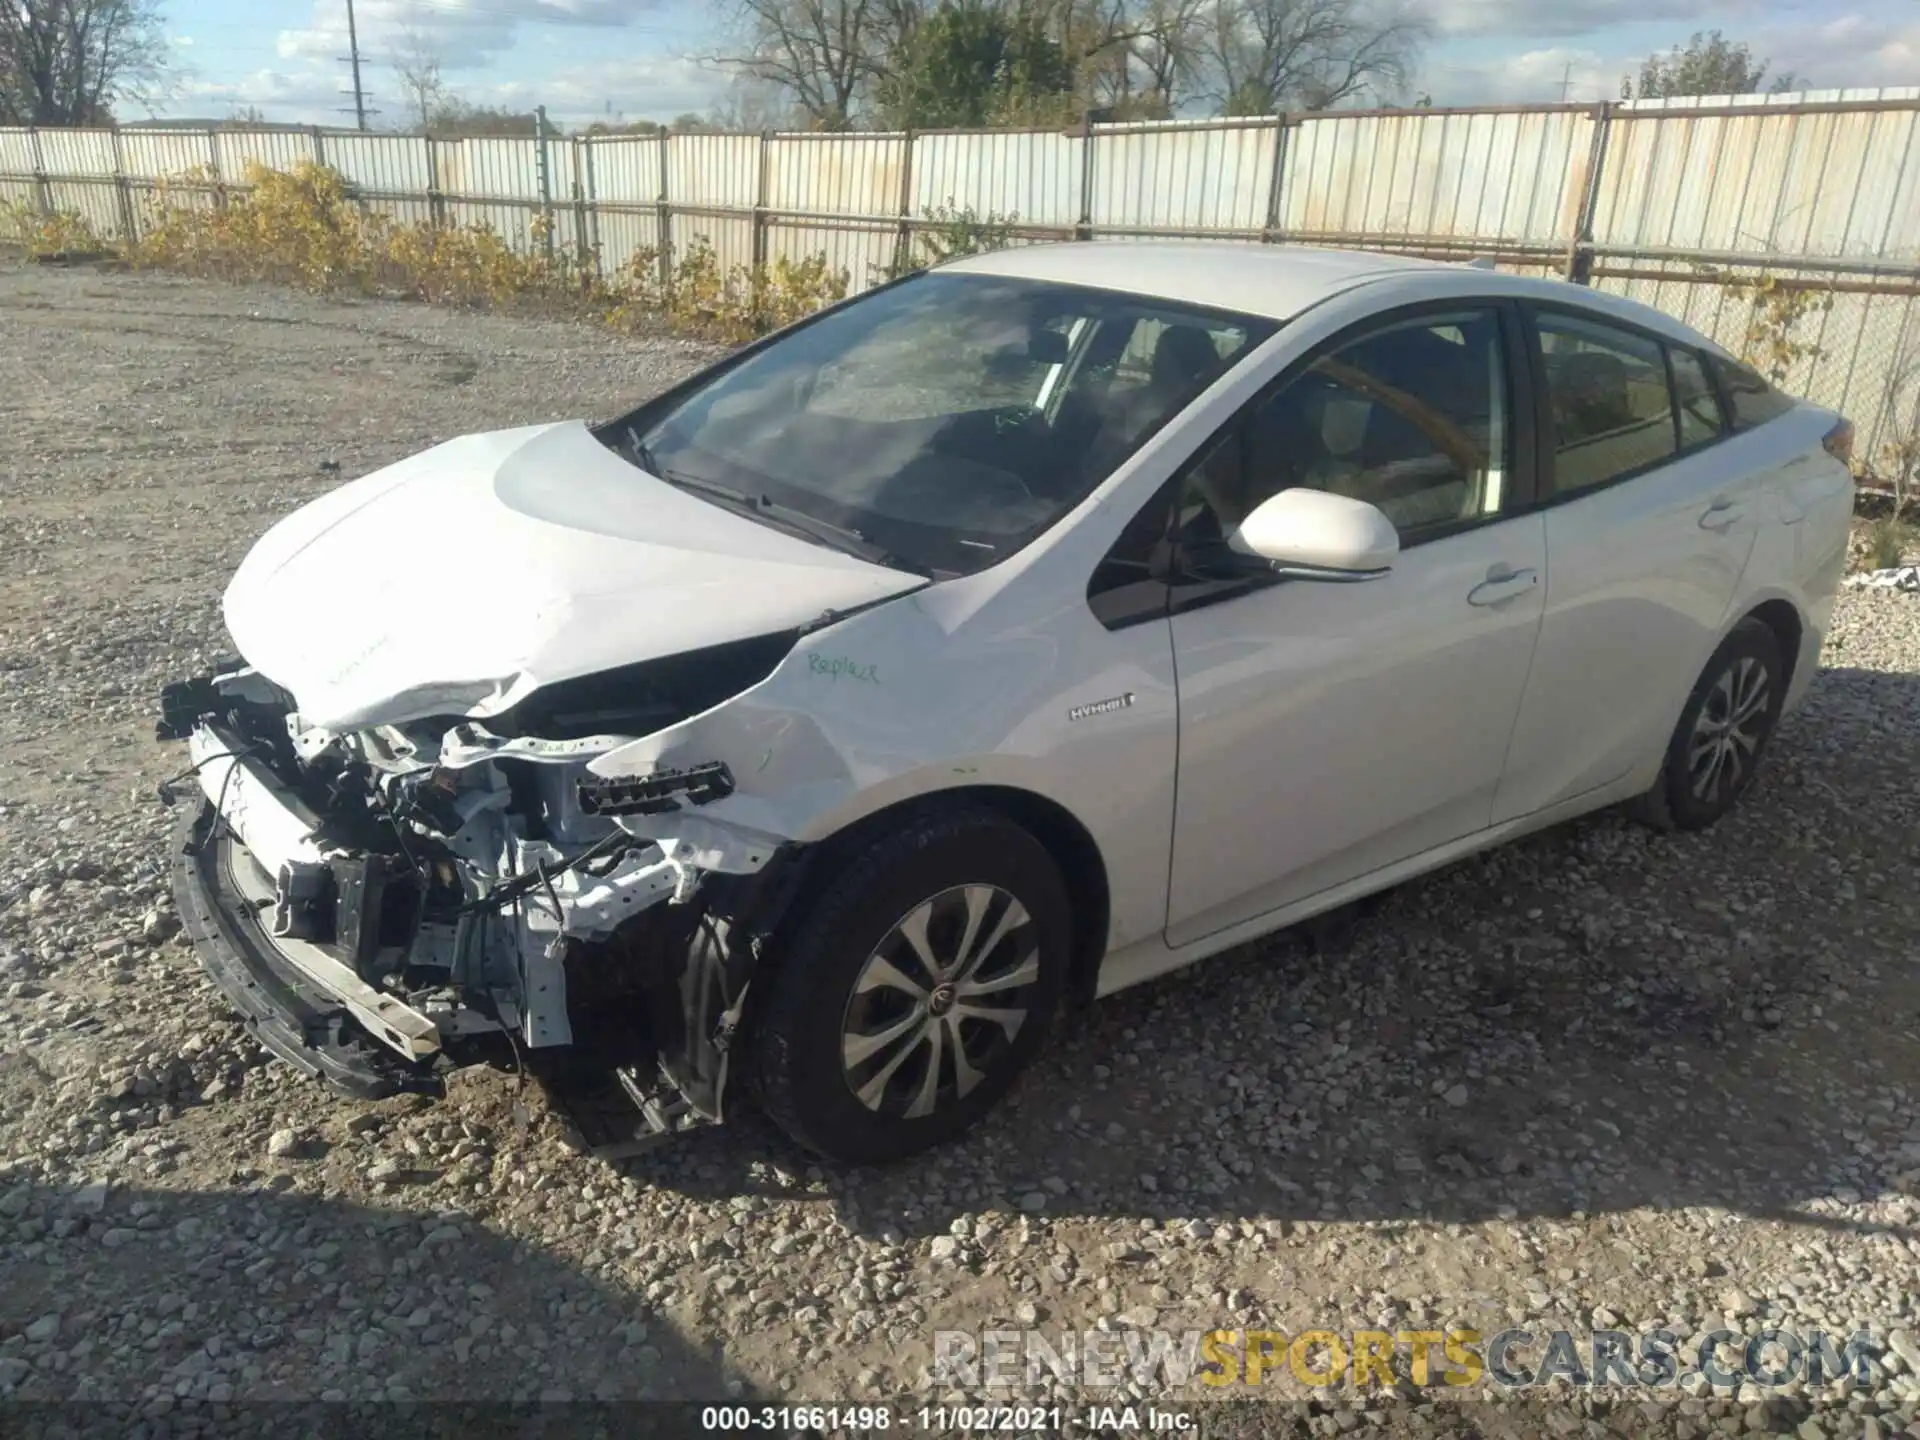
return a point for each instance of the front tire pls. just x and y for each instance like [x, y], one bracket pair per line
[908, 997]
[1723, 732]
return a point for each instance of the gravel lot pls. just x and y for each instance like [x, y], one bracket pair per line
[1598, 1078]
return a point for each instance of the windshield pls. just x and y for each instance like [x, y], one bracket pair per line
[945, 421]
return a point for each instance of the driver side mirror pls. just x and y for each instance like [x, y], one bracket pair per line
[1314, 535]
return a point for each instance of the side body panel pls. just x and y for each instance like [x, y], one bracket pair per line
[1641, 575]
[1647, 577]
[1144, 960]
[1328, 730]
[1815, 503]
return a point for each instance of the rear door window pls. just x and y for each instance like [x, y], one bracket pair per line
[1611, 407]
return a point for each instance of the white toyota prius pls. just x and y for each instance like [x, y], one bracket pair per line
[1014, 633]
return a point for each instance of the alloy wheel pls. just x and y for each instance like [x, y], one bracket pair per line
[1729, 729]
[939, 1001]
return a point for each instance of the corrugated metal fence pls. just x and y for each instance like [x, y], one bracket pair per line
[1659, 200]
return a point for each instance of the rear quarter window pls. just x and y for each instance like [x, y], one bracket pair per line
[1751, 400]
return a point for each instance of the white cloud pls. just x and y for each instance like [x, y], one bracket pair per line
[302, 96]
[644, 88]
[1851, 50]
[1534, 77]
[656, 87]
[1567, 18]
[461, 33]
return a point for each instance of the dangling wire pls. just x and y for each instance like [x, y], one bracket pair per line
[219, 804]
[166, 786]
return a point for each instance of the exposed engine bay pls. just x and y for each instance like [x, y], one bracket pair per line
[448, 877]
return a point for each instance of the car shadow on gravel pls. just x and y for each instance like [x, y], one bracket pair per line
[142, 1302]
[1593, 1020]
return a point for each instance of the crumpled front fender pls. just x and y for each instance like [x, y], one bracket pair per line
[852, 719]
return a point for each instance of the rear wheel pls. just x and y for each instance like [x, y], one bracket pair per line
[1723, 731]
[910, 995]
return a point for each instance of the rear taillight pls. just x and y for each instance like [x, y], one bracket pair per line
[1839, 441]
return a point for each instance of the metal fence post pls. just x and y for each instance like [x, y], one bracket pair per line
[42, 192]
[129, 229]
[587, 215]
[903, 242]
[1276, 179]
[213, 166]
[545, 171]
[436, 194]
[1083, 229]
[663, 217]
[1580, 247]
[758, 237]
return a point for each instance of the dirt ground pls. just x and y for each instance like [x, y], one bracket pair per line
[1599, 1079]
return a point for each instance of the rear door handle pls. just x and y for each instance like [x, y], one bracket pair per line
[1722, 514]
[1503, 583]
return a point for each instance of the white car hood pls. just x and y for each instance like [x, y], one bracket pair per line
[458, 581]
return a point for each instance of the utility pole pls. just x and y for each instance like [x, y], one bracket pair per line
[359, 94]
[1566, 75]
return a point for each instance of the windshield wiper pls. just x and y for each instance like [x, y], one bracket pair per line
[769, 511]
[642, 456]
[840, 537]
[712, 489]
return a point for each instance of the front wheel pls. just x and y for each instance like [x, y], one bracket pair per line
[1723, 732]
[912, 992]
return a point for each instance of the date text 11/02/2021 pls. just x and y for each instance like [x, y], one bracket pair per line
[945, 1419]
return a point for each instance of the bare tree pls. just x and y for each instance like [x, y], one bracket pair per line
[1098, 39]
[1260, 56]
[821, 53]
[65, 62]
[831, 60]
[748, 106]
[1162, 58]
[417, 65]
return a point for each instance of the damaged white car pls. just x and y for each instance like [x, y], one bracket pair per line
[1017, 631]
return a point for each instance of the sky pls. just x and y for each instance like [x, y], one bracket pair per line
[651, 59]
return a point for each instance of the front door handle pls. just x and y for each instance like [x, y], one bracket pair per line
[1722, 514]
[1503, 583]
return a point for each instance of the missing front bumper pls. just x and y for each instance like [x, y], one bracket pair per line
[630, 956]
[691, 997]
[288, 1011]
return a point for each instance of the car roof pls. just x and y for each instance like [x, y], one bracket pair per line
[1276, 281]
[1279, 281]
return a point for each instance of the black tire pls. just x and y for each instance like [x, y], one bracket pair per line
[1677, 801]
[808, 1006]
